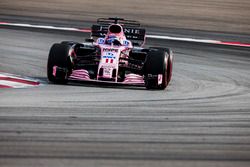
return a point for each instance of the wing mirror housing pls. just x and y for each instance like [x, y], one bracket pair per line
[89, 40]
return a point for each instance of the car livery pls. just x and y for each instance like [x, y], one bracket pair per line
[113, 54]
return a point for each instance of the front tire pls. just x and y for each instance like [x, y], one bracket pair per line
[58, 58]
[157, 69]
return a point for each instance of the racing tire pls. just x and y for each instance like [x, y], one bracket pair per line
[59, 57]
[70, 43]
[169, 67]
[158, 62]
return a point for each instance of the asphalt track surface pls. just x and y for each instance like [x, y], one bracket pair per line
[201, 119]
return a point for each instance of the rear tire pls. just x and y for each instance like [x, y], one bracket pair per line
[157, 63]
[58, 56]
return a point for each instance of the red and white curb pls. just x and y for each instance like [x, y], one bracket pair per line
[13, 81]
[207, 41]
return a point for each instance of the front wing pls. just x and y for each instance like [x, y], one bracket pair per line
[130, 79]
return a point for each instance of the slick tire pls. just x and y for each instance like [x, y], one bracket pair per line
[59, 57]
[158, 62]
[70, 43]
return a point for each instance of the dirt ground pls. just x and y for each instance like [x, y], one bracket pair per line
[213, 15]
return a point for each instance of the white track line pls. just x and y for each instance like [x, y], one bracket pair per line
[208, 41]
[43, 27]
[182, 39]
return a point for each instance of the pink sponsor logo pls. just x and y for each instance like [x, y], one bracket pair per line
[160, 79]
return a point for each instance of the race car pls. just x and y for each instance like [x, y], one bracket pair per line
[112, 54]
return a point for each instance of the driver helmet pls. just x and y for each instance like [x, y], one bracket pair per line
[111, 38]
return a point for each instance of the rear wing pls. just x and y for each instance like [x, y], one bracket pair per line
[131, 29]
[116, 20]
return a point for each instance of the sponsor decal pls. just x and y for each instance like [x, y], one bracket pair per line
[152, 76]
[126, 43]
[107, 71]
[160, 77]
[100, 41]
[109, 55]
[131, 31]
[110, 50]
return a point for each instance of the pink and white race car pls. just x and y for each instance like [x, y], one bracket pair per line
[113, 54]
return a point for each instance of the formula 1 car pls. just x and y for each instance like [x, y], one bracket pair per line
[112, 54]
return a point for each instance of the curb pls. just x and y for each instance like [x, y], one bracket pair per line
[13, 81]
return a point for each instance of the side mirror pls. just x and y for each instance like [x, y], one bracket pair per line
[89, 40]
[136, 44]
